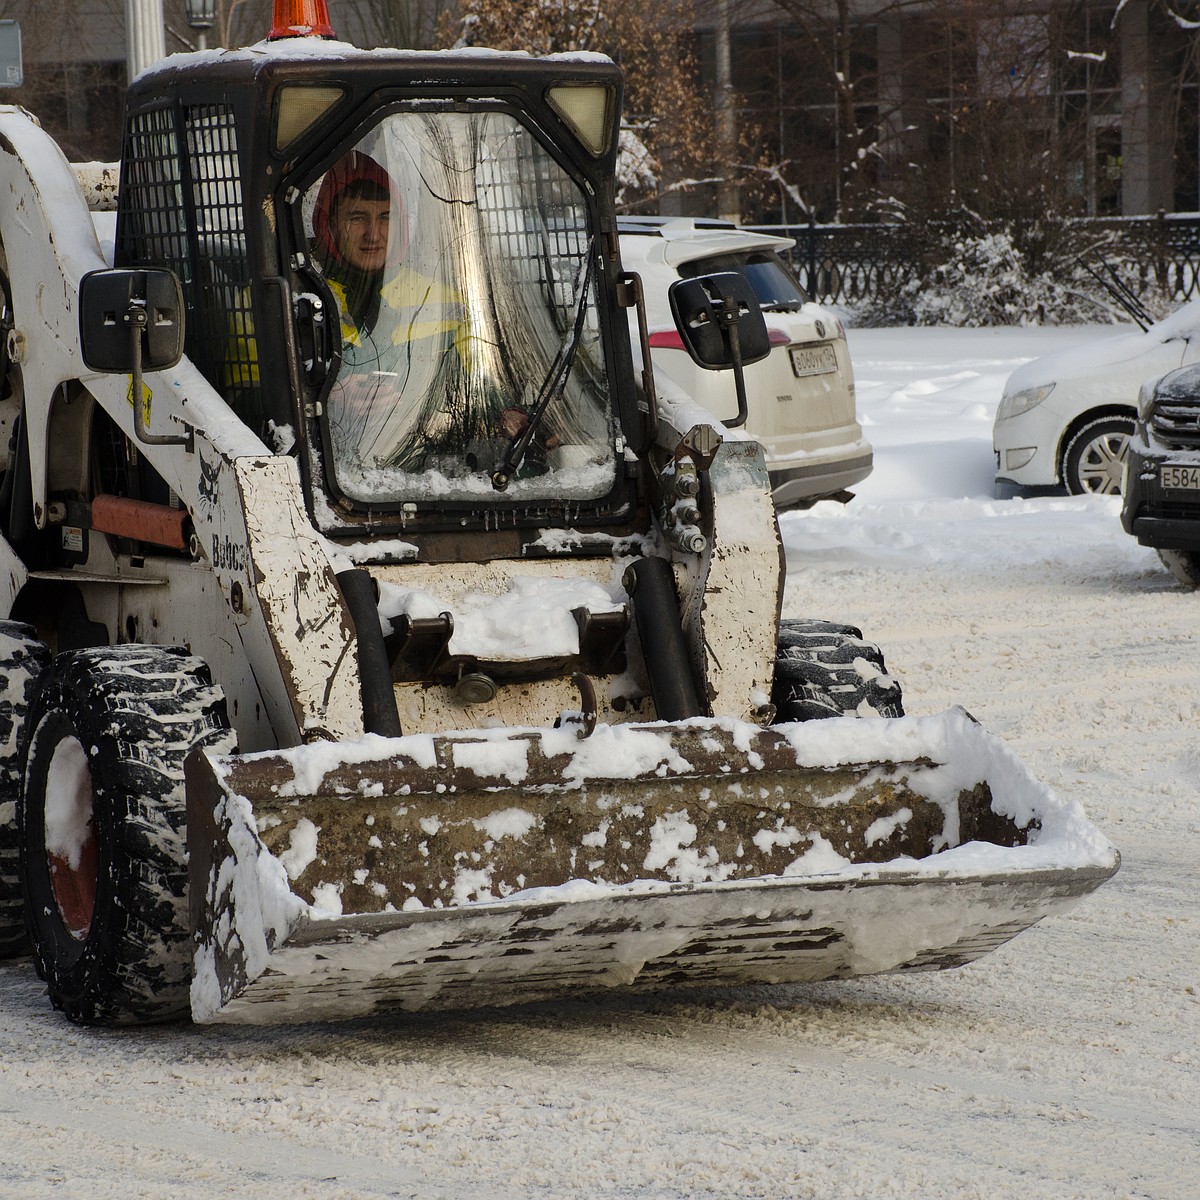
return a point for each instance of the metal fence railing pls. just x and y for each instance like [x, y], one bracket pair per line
[866, 264]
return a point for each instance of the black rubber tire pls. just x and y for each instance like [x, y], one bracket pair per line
[23, 658]
[825, 669]
[1183, 564]
[1091, 461]
[134, 713]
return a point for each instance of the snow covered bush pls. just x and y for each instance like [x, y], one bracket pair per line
[981, 282]
[973, 273]
[636, 174]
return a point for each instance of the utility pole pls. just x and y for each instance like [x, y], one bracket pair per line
[145, 35]
[728, 201]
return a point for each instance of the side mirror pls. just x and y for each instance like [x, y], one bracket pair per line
[131, 321]
[721, 323]
[118, 305]
[720, 320]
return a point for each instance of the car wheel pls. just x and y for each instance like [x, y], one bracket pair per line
[825, 669]
[1095, 455]
[22, 660]
[101, 816]
[1184, 565]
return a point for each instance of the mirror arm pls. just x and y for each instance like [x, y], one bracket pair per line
[730, 317]
[137, 319]
[630, 295]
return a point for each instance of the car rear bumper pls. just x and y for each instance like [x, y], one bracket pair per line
[797, 482]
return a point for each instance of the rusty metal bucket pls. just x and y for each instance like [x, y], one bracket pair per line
[498, 866]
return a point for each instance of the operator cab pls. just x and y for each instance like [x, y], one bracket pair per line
[402, 268]
[461, 265]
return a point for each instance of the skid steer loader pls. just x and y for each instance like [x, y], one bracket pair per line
[376, 636]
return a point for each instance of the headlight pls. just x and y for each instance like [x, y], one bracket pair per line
[1146, 396]
[1021, 402]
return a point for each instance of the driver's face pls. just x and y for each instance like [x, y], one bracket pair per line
[360, 231]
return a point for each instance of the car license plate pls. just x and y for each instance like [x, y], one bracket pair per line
[812, 360]
[1185, 478]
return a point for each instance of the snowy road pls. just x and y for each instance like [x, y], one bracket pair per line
[1066, 1065]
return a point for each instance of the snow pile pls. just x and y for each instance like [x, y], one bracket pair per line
[68, 803]
[532, 619]
[258, 909]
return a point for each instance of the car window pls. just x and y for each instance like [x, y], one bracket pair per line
[774, 285]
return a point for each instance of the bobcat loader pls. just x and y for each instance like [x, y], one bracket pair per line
[397, 646]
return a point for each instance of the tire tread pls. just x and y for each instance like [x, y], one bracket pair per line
[826, 669]
[23, 658]
[142, 709]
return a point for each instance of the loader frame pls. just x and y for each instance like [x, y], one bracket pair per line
[223, 673]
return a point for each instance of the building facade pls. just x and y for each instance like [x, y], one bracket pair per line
[843, 107]
[1088, 104]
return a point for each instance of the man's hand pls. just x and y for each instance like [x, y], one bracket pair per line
[514, 422]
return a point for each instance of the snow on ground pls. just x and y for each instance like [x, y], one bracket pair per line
[1065, 1066]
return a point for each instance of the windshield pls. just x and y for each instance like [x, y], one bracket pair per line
[772, 282]
[457, 252]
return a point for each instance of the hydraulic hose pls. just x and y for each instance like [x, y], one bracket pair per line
[380, 714]
[651, 585]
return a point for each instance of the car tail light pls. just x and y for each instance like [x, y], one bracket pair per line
[666, 339]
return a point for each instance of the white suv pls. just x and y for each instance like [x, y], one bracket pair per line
[801, 396]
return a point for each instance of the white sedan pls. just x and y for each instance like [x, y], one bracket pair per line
[801, 396]
[1066, 418]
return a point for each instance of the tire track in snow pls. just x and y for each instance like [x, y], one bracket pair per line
[195, 1155]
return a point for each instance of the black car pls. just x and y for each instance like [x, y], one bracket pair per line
[1161, 492]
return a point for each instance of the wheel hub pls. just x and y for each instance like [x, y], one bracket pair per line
[71, 845]
[1102, 463]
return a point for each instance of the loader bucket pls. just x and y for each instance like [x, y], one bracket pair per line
[499, 866]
